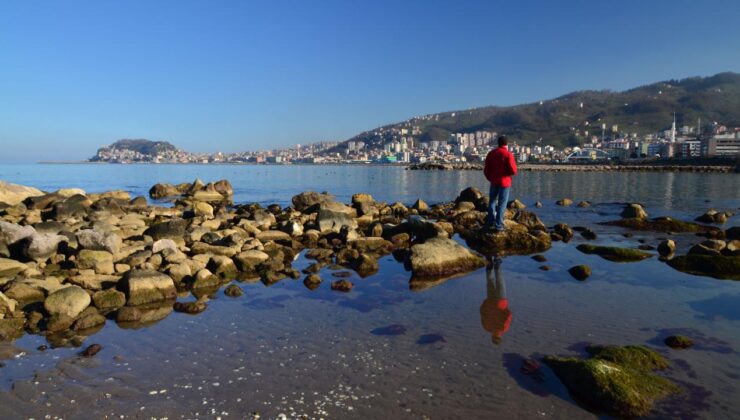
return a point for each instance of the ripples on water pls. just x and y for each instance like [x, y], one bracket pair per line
[383, 350]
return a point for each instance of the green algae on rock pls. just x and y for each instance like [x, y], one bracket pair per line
[664, 224]
[615, 380]
[613, 253]
[717, 266]
[678, 342]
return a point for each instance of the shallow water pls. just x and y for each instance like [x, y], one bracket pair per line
[383, 350]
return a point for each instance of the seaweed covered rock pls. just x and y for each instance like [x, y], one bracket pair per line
[580, 272]
[717, 266]
[714, 216]
[615, 380]
[667, 247]
[664, 224]
[442, 257]
[678, 342]
[613, 253]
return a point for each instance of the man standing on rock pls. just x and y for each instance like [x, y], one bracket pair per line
[500, 167]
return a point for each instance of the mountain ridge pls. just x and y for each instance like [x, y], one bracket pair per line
[563, 121]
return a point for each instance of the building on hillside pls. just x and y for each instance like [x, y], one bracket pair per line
[721, 145]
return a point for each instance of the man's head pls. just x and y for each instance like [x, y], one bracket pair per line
[502, 141]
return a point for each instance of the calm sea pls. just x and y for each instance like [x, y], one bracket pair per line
[384, 350]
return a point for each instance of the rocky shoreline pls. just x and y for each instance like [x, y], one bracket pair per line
[465, 166]
[72, 261]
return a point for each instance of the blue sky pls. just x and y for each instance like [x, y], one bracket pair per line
[243, 75]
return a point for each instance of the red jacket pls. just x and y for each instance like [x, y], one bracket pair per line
[500, 166]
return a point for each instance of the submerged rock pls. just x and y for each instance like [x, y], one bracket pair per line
[663, 224]
[342, 285]
[615, 254]
[678, 342]
[580, 272]
[442, 257]
[616, 380]
[718, 266]
[233, 290]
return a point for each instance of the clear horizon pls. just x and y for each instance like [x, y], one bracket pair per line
[238, 76]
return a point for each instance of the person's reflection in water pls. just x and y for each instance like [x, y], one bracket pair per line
[494, 311]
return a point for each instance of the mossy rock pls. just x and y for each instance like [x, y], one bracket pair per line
[233, 290]
[635, 357]
[610, 387]
[717, 266]
[664, 224]
[613, 253]
[580, 272]
[678, 342]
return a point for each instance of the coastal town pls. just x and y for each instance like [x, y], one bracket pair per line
[403, 146]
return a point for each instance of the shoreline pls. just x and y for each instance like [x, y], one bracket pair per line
[434, 166]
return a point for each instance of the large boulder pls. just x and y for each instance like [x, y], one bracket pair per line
[160, 191]
[39, 246]
[442, 257]
[76, 206]
[99, 241]
[13, 194]
[516, 239]
[616, 380]
[718, 266]
[333, 215]
[308, 199]
[145, 286]
[69, 301]
[11, 233]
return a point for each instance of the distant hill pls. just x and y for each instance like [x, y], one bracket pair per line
[564, 120]
[147, 148]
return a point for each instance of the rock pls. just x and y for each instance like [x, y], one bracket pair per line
[621, 386]
[233, 290]
[13, 194]
[733, 232]
[275, 236]
[615, 254]
[9, 268]
[420, 206]
[100, 261]
[190, 308]
[634, 211]
[365, 265]
[202, 209]
[667, 247]
[69, 301]
[247, 261]
[91, 350]
[564, 202]
[663, 224]
[539, 258]
[145, 286]
[205, 279]
[714, 216]
[72, 207]
[172, 229]
[39, 246]
[718, 266]
[312, 281]
[90, 318]
[88, 280]
[138, 202]
[588, 234]
[7, 306]
[11, 233]
[360, 198]
[108, 299]
[23, 294]
[442, 257]
[516, 204]
[563, 231]
[11, 329]
[538, 204]
[163, 244]
[342, 285]
[99, 241]
[292, 228]
[584, 204]
[732, 249]
[160, 191]
[515, 240]
[222, 266]
[308, 199]
[469, 194]
[678, 342]
[223, 187]
[332, 216]
[580, 272]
